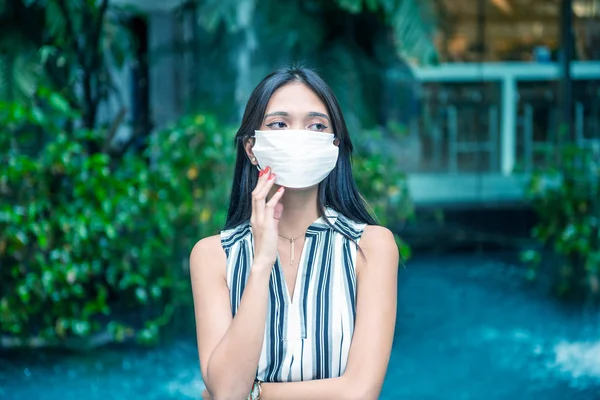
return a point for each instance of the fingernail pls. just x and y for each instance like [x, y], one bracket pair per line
[261, 173]
[268, 169]
[280, 189]
[272, 176]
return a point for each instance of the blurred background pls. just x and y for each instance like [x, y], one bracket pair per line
[477, 128]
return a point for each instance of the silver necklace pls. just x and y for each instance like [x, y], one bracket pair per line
[292, 247]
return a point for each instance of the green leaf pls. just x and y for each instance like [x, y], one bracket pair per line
[148, 335]
[22, 238]
[59, 103]
[141, 295]
[38, 116]
[110, 232]
[156, 291]
[352, 6]
[19, 75]
[45, 52]
[80, 328]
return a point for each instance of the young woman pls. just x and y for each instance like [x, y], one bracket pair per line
[296, 298]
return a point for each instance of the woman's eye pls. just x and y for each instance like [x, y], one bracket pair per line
[317, 127]
[277, 125]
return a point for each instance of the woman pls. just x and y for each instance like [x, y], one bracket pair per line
[296, 298]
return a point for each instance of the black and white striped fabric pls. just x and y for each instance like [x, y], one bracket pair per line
[307, 336]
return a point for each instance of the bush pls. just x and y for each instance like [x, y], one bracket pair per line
[382, 183]
[567, 203]
[89, 242]
[92, 243]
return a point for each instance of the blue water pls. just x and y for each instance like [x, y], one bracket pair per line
[469, 327]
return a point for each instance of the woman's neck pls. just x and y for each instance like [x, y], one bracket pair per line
[300, 210]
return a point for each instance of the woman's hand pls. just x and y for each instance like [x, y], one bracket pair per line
[265, 219]
[205, 395]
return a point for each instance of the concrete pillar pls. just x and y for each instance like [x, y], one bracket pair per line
[509, 124]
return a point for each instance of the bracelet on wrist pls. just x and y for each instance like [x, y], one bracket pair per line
[256, 391]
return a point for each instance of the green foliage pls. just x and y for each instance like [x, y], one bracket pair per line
[567, 203]
[193, 161]
[410, 21]
[351, 43]
[19, 70]
[67, 45]
[382, 183]
[85, 241]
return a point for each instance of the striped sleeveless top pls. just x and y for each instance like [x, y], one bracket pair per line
[308, 336]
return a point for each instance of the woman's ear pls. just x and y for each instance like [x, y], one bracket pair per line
[248, 145]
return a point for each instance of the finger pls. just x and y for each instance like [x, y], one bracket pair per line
[270, 206]
[277, 213]
[276, 197]
[263, 175]
[263, 192]
[258, 204]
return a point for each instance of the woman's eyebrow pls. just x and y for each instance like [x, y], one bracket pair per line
[286, 114]
[318, 114]
[276, 114]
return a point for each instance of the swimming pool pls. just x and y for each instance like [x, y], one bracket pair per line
[468, 328]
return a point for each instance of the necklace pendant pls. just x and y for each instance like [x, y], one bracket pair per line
[292, 247]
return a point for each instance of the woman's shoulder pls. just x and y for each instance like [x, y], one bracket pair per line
[208, 246]
[205, 254]
[379, 248]
[379, 240]
[378, 235]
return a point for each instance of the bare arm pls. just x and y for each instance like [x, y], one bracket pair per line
[373, 334]
[229, 347]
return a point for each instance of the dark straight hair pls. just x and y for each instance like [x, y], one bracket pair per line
[337, 191]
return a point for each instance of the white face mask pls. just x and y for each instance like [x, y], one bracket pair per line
[299, 159]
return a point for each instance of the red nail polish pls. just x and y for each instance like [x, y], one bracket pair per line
[268, 169]
[280, 189]
[261, 173]
[272, 177]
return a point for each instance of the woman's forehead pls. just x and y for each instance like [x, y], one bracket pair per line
[295, 98]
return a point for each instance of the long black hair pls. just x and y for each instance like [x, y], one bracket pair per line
[337, 191]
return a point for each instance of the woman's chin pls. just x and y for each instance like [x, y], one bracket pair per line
[300, 189]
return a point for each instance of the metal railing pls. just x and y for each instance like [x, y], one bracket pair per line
[502, 139]
[532, 147]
